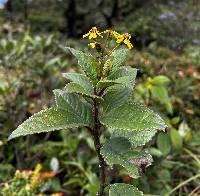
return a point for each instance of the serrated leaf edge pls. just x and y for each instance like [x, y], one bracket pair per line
[73, 125]
[126, 184]
[142, 144]
[146, 129]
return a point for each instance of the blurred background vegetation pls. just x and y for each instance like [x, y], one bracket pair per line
[166, 38]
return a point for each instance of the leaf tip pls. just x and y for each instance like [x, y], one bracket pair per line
[12, 136]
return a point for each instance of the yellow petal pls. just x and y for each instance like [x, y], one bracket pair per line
[120, 39]
[116, 35]
[128, 43]
[92, 45]
[87, 34]
[99, 34]
[93, 36]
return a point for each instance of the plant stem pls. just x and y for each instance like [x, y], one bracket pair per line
[96, 136]
[101, 166]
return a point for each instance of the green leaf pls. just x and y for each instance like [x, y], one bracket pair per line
[72, 103]
[115, 97]
[119, 57]
[69, 113]
[155, 152]
[160, 93]
[3, 84]
[163, 143]
[80, 79]
[118, 151]
[88, 63]
[103, 84]
[121, 189]
[175, 120]
[118, 94]
[125, 75]
[160, 80]
[123, 72]
[132, 116]
[76, 88]
[137, 138]
[169, 107]
[47, 120]
[176, 139]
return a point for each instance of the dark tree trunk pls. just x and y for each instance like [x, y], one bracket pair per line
[114, 14]
[9, 9]
[26, 12]
[115, 10]
[70, 17]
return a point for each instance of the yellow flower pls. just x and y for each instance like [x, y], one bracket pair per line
[118, 36]
[92, 45]
[93, 33]
[35, 177]
[125, 38]
[109, 32]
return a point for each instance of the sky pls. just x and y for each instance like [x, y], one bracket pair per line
[2, 2]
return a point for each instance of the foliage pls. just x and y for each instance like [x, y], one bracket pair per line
[124, 189]
[79, 175]
[22, 81]
[166, 42]
[171, 151]
[28, 182]
[76, 110]
[166, 22]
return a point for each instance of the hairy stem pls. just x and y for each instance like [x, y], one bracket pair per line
[96, 136]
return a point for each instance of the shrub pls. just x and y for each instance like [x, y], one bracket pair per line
[100, 100]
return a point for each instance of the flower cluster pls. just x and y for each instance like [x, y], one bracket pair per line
[124, 38]
[119, 38]
[93, 33]
[28, 182]
[35, 178]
